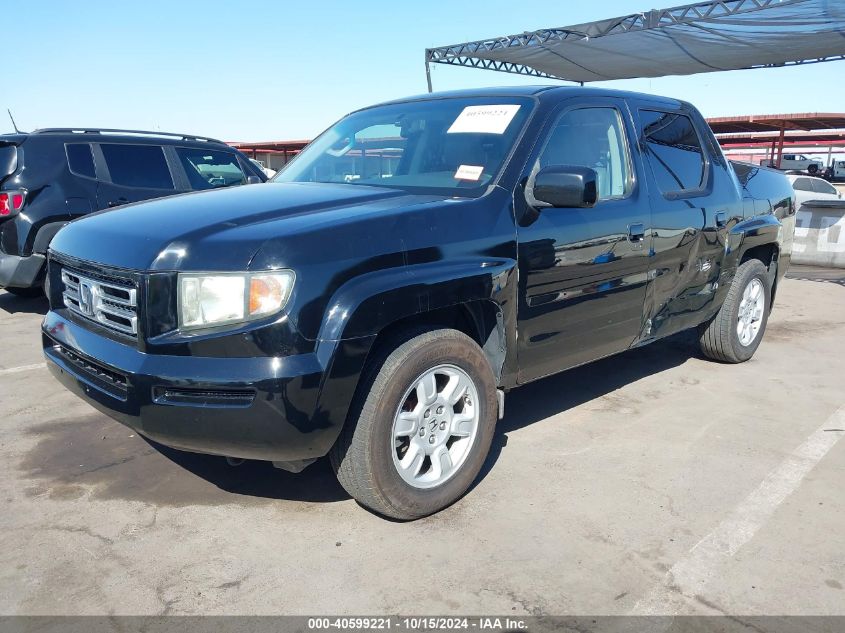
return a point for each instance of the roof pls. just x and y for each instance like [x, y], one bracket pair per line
[806, 121]
[766, 139]
[80, 131]
[540, 92]
[695, 38]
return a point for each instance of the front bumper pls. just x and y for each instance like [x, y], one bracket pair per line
[20, 272]
[252, 408]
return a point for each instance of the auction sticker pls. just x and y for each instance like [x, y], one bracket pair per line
[485, 119]
[469, 172]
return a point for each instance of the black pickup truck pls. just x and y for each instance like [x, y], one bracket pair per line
[379, 297]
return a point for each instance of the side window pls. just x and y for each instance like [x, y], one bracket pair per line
[207, 169]
[820, 186]
[80, 159]
[137, 166]
[802, 184]
[595, 138]
[674, 151]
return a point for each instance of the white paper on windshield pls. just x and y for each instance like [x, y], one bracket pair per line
[485, 119]
[469, 172]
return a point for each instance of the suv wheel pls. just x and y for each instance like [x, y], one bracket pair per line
[421, 426]
[734, 334]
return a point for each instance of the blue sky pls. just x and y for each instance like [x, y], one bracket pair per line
[277, 70]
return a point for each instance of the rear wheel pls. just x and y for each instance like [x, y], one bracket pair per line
[734, 334]
[421, 426]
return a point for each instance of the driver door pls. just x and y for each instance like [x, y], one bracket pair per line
[583, 271]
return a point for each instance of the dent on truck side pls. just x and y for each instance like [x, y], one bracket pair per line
[769, 223]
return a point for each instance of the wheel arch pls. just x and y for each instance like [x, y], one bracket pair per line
[369, 312]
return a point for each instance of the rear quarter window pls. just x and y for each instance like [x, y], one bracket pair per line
[141, 166]
[820, 186]
[209, 169]
[8, 160]
[80, 160]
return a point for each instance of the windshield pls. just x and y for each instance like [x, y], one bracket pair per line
[445, 146]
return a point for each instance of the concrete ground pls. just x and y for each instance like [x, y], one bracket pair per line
[651, 482]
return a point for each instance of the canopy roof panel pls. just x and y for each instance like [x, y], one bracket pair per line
[696, 38]
[775, 122]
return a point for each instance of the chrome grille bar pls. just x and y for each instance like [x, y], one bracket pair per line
[108, 303]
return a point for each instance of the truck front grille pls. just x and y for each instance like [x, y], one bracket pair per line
[110, 301]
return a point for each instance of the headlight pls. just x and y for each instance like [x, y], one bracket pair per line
[218, 299]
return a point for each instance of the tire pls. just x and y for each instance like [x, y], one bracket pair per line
[813, 169]
[26, 293]
[367, 457]
[720, 338]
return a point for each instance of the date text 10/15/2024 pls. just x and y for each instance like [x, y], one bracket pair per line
[419, 623]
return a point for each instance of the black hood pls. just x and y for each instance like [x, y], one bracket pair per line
[218, 230]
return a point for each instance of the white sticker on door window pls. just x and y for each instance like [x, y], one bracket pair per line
[485, 119]
[469, 172]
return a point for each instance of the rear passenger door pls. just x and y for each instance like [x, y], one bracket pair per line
[583, 271]
[694, 201]
[131, 173]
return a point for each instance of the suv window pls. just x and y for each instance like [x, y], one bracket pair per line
[802, 184]
[820, 186]
[674, 149]
[207, 169]
[137, 165]
[595, 138]
[80, 159]
[8, 160]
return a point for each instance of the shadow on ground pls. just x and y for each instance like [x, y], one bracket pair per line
[544, 398]
[12, 304]
[94, 455]
[817, 273]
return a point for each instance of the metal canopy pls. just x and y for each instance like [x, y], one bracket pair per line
[806, 121]
[696, 38]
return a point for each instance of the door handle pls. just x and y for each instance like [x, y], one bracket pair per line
[118, 202]
[636, 232]
[721, 219]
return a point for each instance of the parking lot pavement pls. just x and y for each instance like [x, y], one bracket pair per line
[653, 481]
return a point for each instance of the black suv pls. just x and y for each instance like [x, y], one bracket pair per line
[52, 176]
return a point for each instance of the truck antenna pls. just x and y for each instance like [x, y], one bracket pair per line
[14, 125]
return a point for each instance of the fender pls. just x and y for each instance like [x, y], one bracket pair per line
[367, 304]
[45, 234]
[747, 234]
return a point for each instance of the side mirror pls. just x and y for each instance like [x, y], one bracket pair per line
[253, 180]
[566, 186]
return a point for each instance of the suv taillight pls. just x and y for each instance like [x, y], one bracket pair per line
[11, 202]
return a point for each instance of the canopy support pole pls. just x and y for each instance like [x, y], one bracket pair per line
[780, 145]
[427, 71]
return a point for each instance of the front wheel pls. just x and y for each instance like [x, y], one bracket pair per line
[421, 427]
[734, 334]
